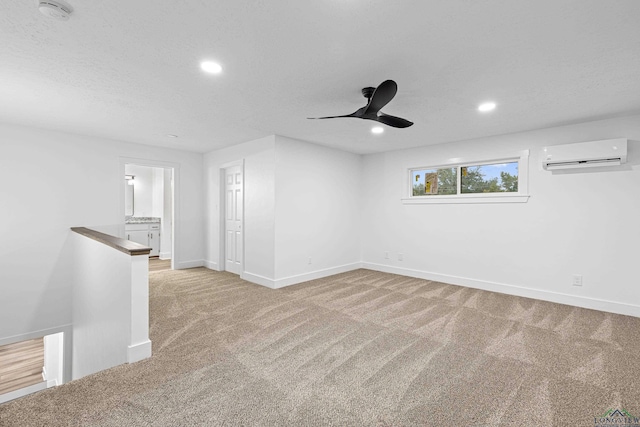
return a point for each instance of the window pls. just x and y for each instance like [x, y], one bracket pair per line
[473, 181]
[494, 178]
[434, 181]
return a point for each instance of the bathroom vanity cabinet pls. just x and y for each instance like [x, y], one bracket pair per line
[145, 233]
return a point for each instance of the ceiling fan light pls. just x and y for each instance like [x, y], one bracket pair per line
[377, 130]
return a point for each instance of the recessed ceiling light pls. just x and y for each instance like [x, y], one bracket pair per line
[377, 129]
[487, 106]
[211, 67]
[170, 135]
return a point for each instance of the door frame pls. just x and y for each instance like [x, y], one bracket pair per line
[175, 193]
[221, 214]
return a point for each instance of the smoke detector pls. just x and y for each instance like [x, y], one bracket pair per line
[55, 9]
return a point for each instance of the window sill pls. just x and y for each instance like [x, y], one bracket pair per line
[467, 198]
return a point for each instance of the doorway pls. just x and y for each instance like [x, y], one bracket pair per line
[149, 194]
[233, 176]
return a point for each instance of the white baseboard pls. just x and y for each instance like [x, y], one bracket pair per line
[50, 382]
[139, 351]
[22, 392]
[164, 255]
[258, 279]
[573, 300]
[318, 274]
[189, 264]
[300, 278]
[212, 265]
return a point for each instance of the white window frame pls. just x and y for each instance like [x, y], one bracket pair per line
[521, 196]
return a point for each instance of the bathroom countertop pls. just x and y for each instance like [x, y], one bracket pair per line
[141, 220]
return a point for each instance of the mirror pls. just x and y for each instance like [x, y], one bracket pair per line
[129, 181]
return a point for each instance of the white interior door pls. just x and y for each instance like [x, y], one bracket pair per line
[233, 219]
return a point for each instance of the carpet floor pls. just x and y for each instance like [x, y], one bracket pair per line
[361, 348]
[157, 264]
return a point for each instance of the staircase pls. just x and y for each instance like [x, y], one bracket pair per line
[21, 365]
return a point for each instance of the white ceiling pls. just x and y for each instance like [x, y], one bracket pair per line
[129, 70]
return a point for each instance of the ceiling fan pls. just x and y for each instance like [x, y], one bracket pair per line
[378, 98]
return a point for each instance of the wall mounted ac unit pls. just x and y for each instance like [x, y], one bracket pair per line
[608, 152]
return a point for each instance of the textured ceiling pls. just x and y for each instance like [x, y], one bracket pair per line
[129, 70]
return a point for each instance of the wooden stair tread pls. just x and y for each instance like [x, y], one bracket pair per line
[20, 383]
[21, 364]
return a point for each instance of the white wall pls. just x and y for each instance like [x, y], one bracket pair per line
[259, 205]
[317, 211]
[101, 306]
[575, 222]
[148, 190]
[301, 201]
[54, 359]
[110, 300]
[142, 189]
[167, 215]
[52, 181]
[157, 196]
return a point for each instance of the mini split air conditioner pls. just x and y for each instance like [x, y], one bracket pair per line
[609, 152]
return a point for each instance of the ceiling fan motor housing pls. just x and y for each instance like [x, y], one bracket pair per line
[368, 91]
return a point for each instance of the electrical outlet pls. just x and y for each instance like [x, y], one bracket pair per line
[577, 280]
[400, 256]
[386, 255]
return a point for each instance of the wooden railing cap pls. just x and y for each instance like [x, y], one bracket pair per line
[123, 245]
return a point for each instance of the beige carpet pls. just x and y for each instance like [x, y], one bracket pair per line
[157, 264]
[357, 349]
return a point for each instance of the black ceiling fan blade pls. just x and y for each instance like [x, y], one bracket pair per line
[377, 99]
[334, 117]
[328, 117]
[381, 97]
[393, 121]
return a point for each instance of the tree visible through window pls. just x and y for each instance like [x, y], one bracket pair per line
[474, 179]
[495, 178]
[428, 182]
